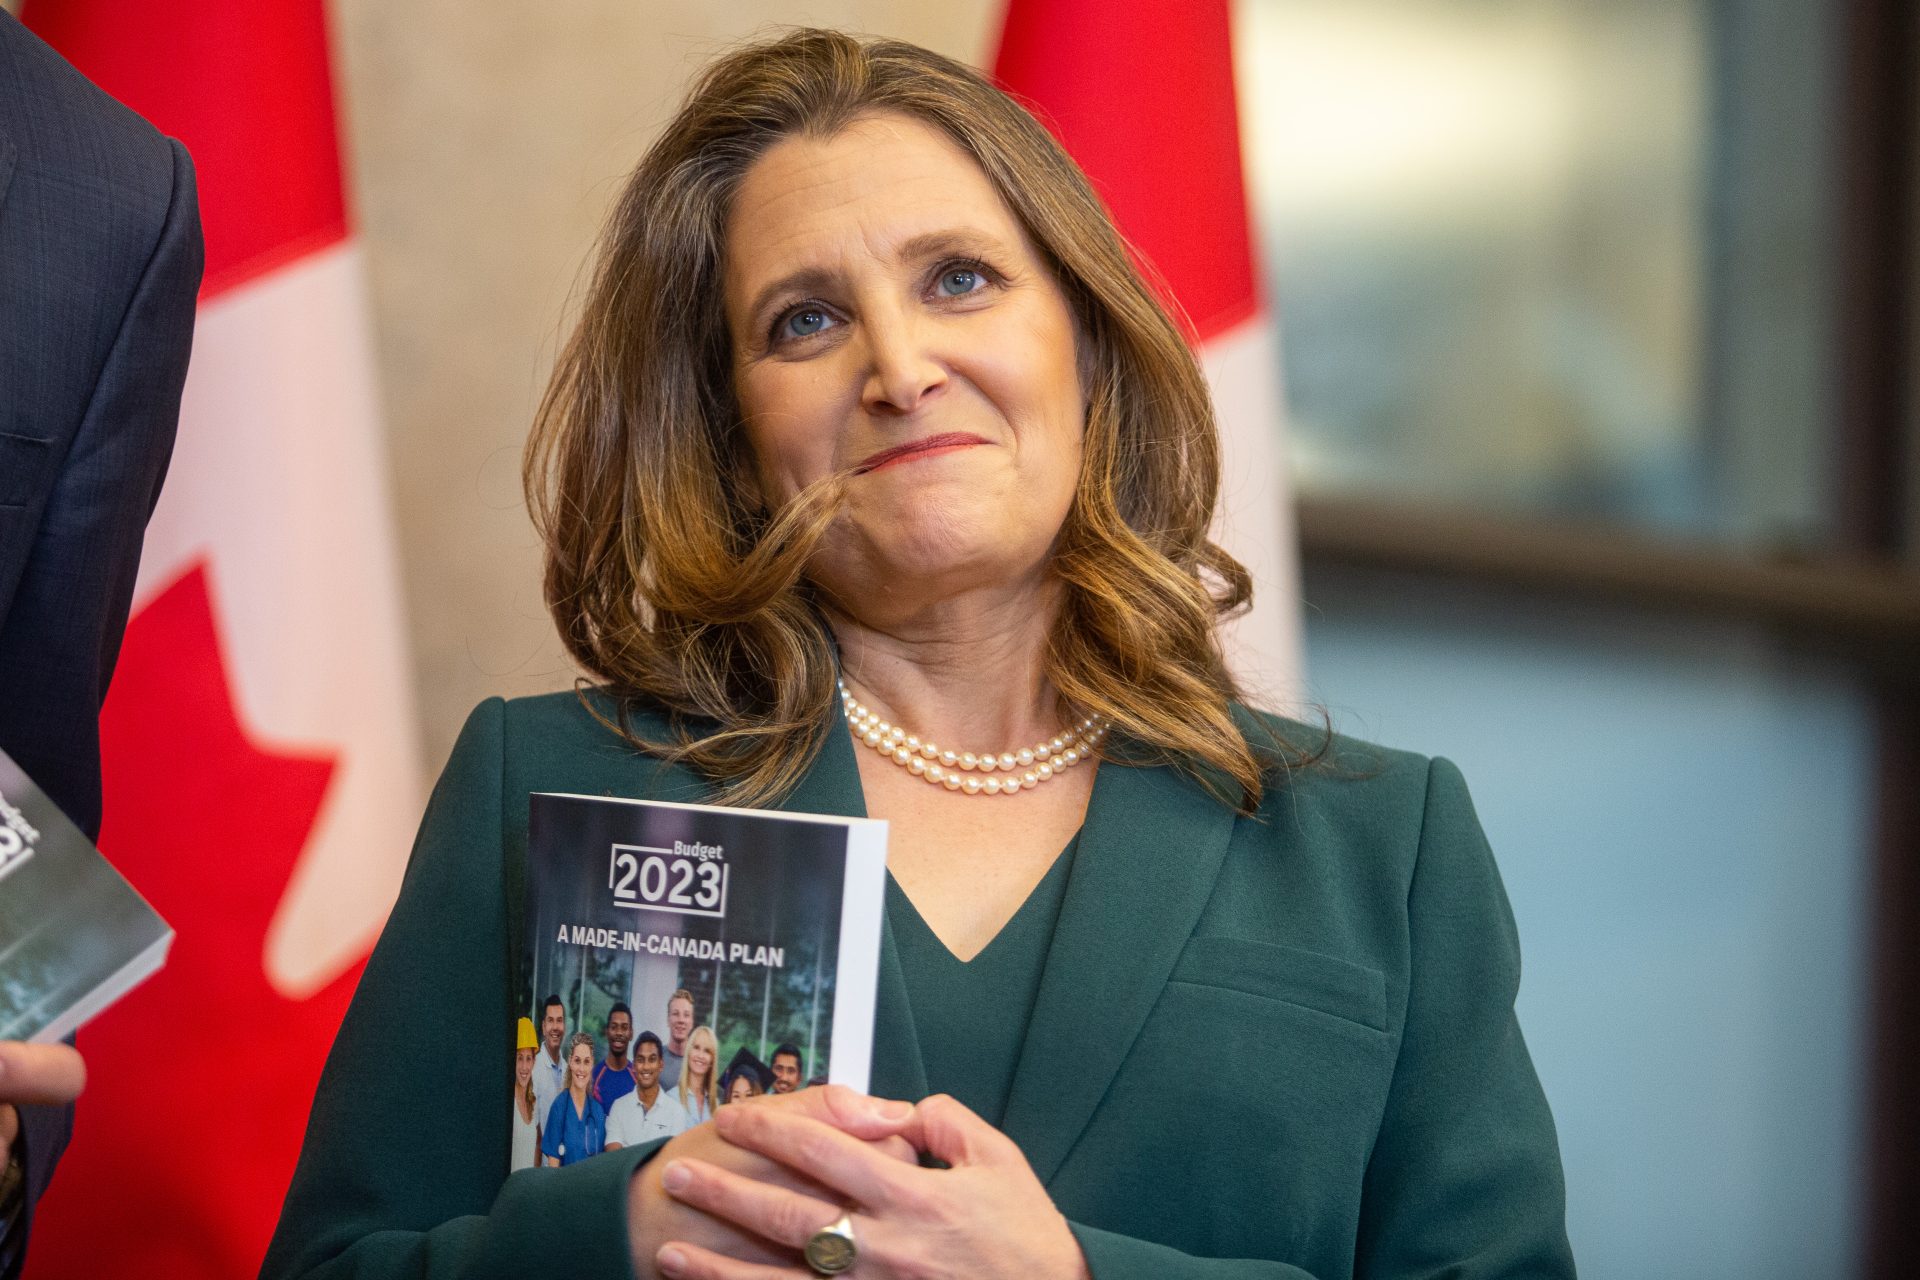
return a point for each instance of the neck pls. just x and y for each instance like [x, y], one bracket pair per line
[967, 672]
[648, 1094]
[678, 1046]
[616, 1061]
[553, 1052]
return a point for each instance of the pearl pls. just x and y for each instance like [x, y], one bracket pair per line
[1023, 768]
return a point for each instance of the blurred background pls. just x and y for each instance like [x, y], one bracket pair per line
[1596, 359]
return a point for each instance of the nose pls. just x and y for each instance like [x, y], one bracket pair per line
[901, 371]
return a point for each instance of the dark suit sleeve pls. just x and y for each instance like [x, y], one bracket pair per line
[1465, 1180]
[62, 633]
[404, 1170]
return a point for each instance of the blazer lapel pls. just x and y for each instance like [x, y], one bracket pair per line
[832, 786]
[1150, 850]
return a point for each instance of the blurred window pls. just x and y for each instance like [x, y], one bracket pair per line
[1564, 258]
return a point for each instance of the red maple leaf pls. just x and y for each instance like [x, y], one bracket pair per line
[199, 1081]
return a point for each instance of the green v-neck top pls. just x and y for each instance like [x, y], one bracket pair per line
[971, 1016]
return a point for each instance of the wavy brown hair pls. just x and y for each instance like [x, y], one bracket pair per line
[672, 585]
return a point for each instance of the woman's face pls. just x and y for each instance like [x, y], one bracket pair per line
[700, 1058]
[740, 1090]
[889, 317]
[580, 1065]
[522, 1066]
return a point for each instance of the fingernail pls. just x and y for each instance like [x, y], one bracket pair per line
[670, 1260]
[675, 1176]
[892, 1110]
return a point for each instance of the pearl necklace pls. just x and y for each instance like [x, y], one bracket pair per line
[964, 771]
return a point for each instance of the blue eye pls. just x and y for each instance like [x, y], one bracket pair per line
[959, 281]
[804, 323]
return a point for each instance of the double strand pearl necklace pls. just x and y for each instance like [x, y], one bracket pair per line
[966, 772]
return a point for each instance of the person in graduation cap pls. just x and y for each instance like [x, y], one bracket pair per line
[745, 1077]
[876, 479]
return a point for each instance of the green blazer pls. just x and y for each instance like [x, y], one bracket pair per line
[1280, 1047]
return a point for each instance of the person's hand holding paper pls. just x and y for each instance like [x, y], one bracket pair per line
[35, 1073]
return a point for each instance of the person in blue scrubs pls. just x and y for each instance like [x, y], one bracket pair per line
[576, 1123]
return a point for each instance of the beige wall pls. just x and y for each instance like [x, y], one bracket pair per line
[485, 141]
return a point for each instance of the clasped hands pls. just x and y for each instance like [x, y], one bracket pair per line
[737, 1197]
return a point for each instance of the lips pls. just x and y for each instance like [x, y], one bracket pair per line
[946, 440]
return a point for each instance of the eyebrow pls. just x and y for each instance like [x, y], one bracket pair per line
[920, 248]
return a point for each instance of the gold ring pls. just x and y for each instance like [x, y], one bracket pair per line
[831, 1249]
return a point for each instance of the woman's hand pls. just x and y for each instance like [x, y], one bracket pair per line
[654, 1217]
[986, 1216]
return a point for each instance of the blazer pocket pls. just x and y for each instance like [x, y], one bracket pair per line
[22, 459]
[1325, 984]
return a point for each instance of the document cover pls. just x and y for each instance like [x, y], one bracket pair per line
[681, 955]
[74, 936]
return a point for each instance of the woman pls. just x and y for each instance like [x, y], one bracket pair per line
[745, 1077]
[526, 1129]
[576, 1123]
[867, 389]
[699, 1087]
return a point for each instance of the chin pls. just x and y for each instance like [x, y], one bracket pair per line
[949, 525]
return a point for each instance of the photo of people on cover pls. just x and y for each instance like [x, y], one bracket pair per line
[677, 960]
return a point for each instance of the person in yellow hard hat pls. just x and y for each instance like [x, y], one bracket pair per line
[526, 1133]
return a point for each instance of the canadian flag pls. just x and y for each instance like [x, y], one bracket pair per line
[259, 744]
[1141, 94]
